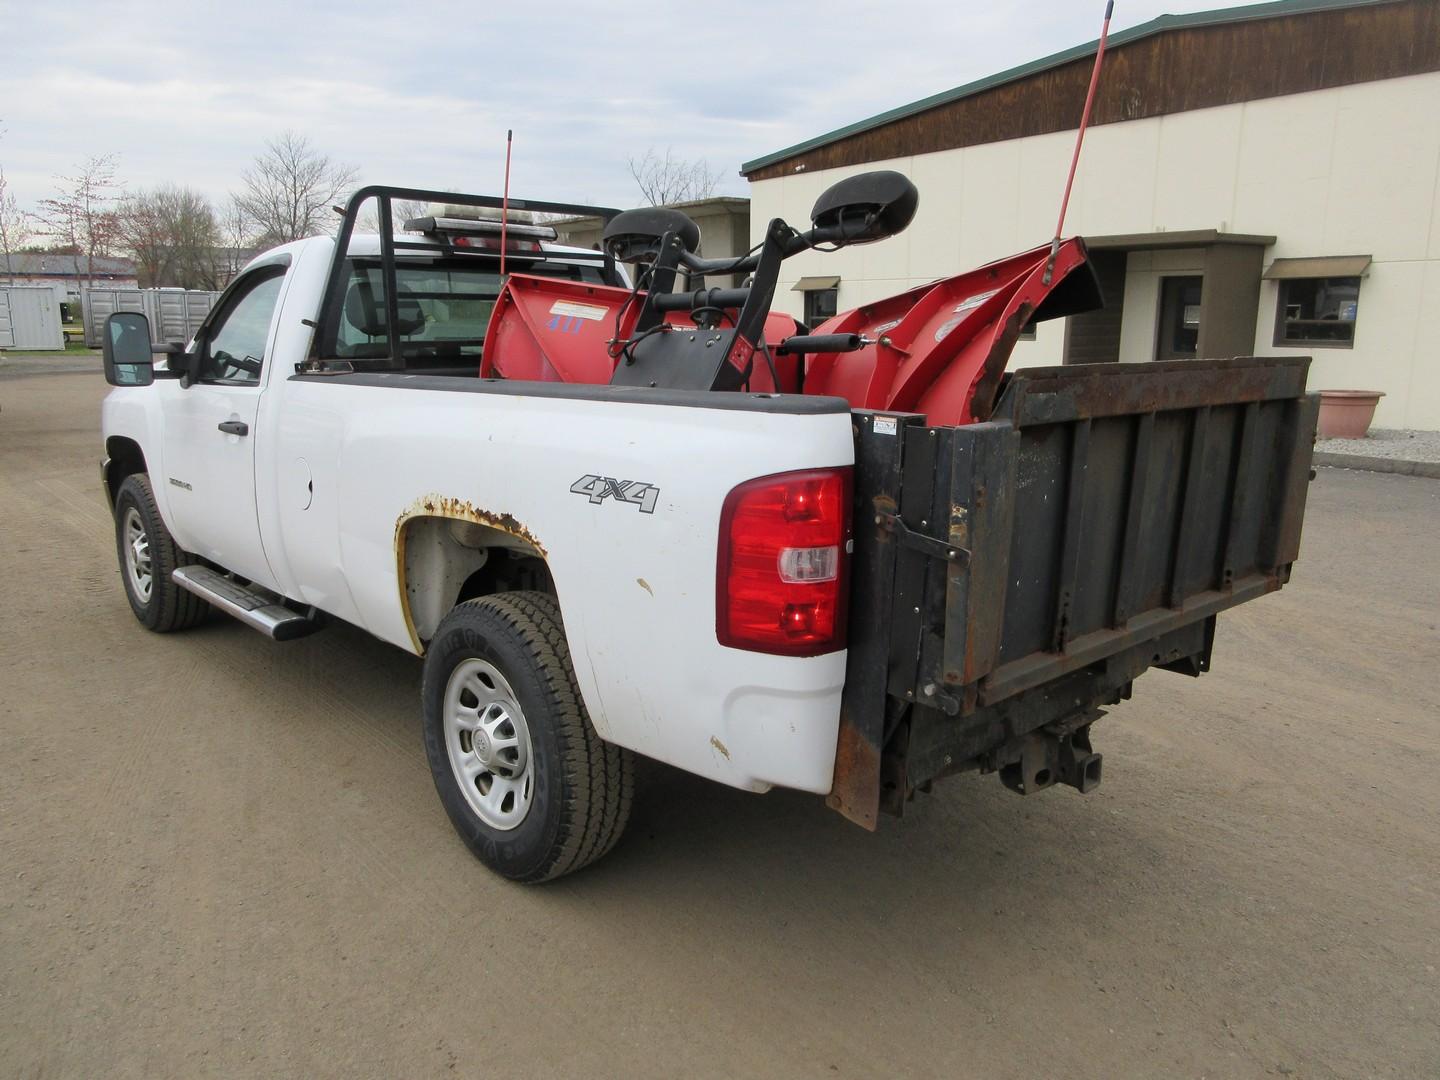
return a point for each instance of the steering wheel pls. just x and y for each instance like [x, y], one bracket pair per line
[247, 363]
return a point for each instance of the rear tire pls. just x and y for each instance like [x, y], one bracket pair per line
[148, 556]
[530, 787]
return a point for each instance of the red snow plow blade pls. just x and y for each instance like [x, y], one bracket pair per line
[553, 330]
[940, 349]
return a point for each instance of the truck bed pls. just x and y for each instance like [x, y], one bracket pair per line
[1013, 577]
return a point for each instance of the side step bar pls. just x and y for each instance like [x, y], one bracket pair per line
[254, 609]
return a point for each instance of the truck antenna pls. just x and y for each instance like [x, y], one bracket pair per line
[505, 200]
[1079, 138]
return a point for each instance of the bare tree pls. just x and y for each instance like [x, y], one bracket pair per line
[237, 242]
[81, 218]
[667, 180]
[404, 210]
[15, 225]
[290, 188]
[171, 233]
[401, 211]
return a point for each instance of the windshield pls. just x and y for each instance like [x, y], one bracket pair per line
[443, 309]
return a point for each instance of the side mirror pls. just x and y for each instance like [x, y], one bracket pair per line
[126, 349]
[862, 209]
[634, 236]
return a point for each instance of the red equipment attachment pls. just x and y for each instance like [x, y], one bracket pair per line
[940, 349]
[553, 330]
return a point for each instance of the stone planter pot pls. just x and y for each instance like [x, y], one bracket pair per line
[1346, 414]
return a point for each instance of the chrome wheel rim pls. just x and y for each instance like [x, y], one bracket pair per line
[137, 554]
[488, 742]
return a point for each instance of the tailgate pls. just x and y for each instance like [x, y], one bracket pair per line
[1017, 574]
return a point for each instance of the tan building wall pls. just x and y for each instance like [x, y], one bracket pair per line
[1353, 170]
[724, 222]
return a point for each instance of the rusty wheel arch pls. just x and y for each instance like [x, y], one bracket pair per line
[466, 535]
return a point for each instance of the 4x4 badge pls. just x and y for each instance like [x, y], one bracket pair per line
[600, 488]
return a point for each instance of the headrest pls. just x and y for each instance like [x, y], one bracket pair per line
[366, 312]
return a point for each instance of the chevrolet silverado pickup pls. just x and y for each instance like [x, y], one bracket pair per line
[621, 513]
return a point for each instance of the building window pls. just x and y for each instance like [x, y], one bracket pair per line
[821, 297]
[1318, 311]
[821, 304]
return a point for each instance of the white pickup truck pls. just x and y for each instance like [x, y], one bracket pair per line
[603, 544]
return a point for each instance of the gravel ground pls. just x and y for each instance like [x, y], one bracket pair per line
[221, 856]
[1395, 444]
[28, 363]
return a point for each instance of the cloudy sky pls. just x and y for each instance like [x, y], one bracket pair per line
[421, 93]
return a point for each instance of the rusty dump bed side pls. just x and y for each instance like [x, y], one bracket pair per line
[1012, 577]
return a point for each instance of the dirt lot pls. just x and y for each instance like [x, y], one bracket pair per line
[225, 857]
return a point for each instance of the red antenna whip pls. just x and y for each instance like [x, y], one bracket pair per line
[505, 198]
[1079, 139]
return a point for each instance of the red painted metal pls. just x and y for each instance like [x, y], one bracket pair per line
[940, 349]
[531, 335]
[552, 330]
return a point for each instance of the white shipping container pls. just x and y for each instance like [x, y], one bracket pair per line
[30, 319]
[174, 314]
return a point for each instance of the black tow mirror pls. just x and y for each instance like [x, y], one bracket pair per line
[127, 351]
[861, 209]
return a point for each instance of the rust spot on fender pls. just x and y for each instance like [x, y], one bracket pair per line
[443, 506]
[718, 745]
[462, 510]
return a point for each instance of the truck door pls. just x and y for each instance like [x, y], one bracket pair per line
[209, 430]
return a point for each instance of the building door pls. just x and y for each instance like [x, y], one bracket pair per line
[1179, 332]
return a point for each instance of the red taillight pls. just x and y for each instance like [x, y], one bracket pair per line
[783, 572]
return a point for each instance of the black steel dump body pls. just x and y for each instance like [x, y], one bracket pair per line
[1011, 577]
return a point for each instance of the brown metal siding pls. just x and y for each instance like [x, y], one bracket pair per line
[1170, 72]
[1094, 337]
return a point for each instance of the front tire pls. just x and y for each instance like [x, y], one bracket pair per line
[148, 556]
[528, 784]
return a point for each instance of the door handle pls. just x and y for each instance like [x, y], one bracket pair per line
[235, 427]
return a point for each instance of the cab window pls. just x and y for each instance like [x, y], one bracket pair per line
[235, 342]
[443, 309]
